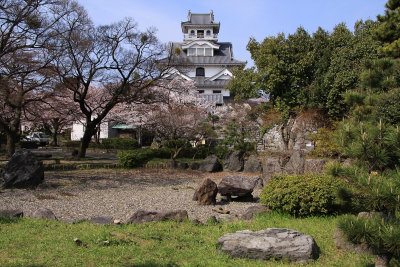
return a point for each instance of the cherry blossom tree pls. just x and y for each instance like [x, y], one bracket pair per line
[26, 31]
[118, 58]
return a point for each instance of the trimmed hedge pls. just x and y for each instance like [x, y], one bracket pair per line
[119, 143]
[108, 143]
[139, 157]
[302, 195]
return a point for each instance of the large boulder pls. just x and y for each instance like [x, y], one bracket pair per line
[210, 164]
[237, 185]
[273, 243]
[234, 161]
[206, 193]
[23, 170]
[142, 216]
[252, 164]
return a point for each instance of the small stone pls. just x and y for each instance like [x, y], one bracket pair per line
[117, 221]
[102, 220]
[251, 211]
[221, 210]
[106, 243]
[77, 241]
[206, 193]
[13, 214]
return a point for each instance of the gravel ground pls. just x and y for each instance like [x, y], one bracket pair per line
[80, 195]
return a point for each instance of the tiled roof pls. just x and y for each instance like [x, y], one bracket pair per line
[223, 56]
[202, 82]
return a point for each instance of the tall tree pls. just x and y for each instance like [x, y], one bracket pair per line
[26, 32]
[118, 58]
[389, 29]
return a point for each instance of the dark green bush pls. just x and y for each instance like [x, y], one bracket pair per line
[28, 144]
[220, 151]
[119, 143]
[135, 158]
[302, 195]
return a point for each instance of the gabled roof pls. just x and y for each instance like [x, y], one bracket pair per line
[220, 74]
[222, 56]
[200, 19]
[197, 42]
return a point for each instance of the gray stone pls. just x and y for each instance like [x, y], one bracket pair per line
[271, 166]
[253, 210]
[102, 220]
[12, 213]
[253, 164]
[237, 185]
[44, 213]
[23, 170]
[274, 243]
[226, 218]
[142, 216]
[296, 163]
[234, 161]
[210, 164]
[206, 193]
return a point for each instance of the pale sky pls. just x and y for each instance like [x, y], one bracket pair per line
[239, 20]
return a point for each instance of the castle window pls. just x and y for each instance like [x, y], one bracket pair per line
[201, 91]
[200, 72]
[191, 51]
[208, 52]
[216, 91]
[192, 32]
[208, 33]
[200, 34]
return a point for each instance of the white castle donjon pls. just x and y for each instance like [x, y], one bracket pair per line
[201, 58]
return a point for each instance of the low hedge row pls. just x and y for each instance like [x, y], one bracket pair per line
[139, 157]
[108, 143]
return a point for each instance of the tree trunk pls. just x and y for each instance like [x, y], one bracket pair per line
[382, 260]
[87, 136]
[11, 142]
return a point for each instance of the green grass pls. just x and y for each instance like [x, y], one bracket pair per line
[30, 242]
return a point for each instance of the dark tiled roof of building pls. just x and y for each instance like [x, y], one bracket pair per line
[195, 19]
[203, 82]
[222, 56]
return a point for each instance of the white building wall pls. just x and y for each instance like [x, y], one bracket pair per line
[209, 71]
[78, 130]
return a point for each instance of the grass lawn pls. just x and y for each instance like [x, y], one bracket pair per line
[30, 242]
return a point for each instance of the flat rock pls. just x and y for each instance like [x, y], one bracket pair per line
[44, 213]
[23, 170]
[237, 185]
[142, 216]
[274, 243]
[342, 243]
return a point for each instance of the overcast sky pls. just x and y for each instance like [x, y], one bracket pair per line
[240, 19]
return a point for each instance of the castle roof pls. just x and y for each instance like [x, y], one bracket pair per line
[222, 56]
[200, 20]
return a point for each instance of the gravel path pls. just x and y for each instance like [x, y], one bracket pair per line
[80, 195]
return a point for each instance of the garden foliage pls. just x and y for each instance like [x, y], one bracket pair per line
[302, 195]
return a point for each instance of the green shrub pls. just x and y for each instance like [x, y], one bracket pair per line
[28, 144]
[120, 143]
[302, 195]
[220, 151]
[135, 158]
